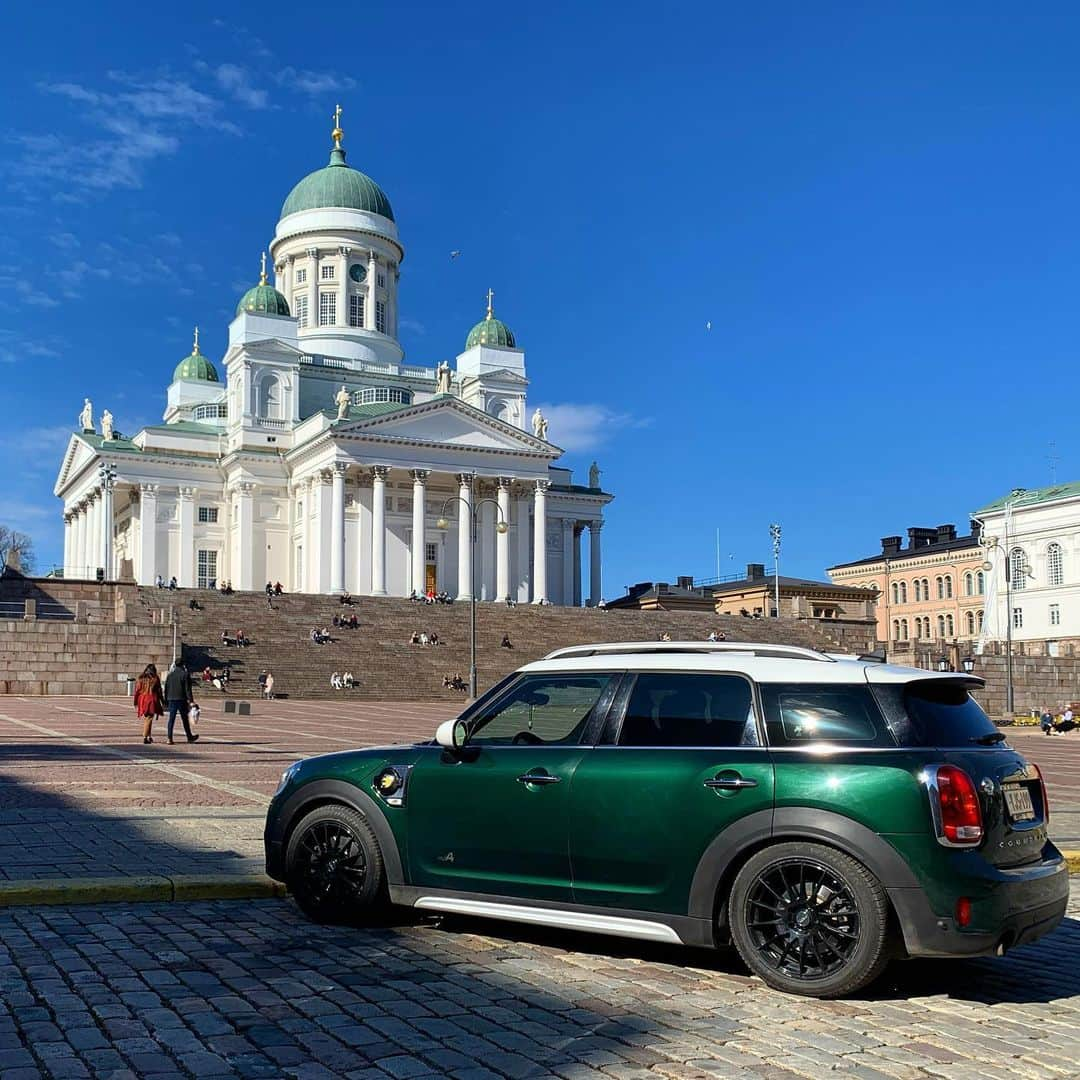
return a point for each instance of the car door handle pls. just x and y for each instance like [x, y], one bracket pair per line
[538, 778]
[729, 782]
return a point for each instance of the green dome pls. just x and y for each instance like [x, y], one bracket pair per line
[196, 367]
[491, 331]
[338, 185]
[263, 298]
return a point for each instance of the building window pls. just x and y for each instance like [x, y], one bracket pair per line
[269, 399]
[969, 622]
[380, 316]
[904, 629]
[1017, 569]
[950, 626]
[1018, 618]
[327, 308]
[326, 272]
[301, 277]
[980, 583]
[208, 515]
[1055, 614]
[948, 586]
[380, 279]
[969, 584]
[1054, 573]
[431, 552]
[896, 629]
[300, 309]
[211, 412]
[917, 585]
[940, 588]
[382, 393]
[941, 626]
[356, 309]
[895, 593]
[979, 620]
[207, 566]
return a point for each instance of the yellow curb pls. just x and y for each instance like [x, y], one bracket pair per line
[1073, 859]
[84, 890]
[220, 887]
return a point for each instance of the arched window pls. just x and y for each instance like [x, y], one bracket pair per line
[980, 583]
[926, 588]
[969, 622]
[896, 629]
[895, 593]
[904, 629]
[948, 586]
[1017, 569]
[917, 586]
[950, 629]
[268, 405]
[940, 587]
[377, 394]
[969, 584]
[1054, 572]
[903, 592]
[941, 626]
[979, 620]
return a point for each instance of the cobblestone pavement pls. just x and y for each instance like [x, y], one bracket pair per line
[253, 990]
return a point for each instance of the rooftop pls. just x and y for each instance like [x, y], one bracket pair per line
[922, 541]
[1024, 497]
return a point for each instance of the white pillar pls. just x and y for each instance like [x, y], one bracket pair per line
[148, 494]
[93, 532]
[540, 542]
[343, 293]
[419, 550]
[313, 293]
[81, 560]
[465, 552]
[186, 574]
[337, 529]
[68, 536]
[567, 562]
[245, 523]
[378, 530]
[523, 530]
[502, 543]
[486, 536]
[369, 315]
[578, 529]
[596, 581]
[107, 527]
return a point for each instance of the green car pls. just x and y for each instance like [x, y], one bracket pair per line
[822, 814]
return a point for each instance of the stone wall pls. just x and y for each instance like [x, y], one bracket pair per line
[1038, 682]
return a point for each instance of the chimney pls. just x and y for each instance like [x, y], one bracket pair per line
[920, 537]
[755, 571]
[685, 581]
[976, 528]
[890, 545]
[945, 533]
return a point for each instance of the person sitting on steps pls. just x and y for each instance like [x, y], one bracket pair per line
[335, 680]
[506, 643]
[348, 680]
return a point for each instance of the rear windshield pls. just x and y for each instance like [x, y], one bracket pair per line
[935, 712]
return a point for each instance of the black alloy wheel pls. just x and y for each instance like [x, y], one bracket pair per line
[809, 920]
[334, 866]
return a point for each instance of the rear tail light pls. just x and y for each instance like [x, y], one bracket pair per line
[954, 806]
[1042, 791]
[963, 911]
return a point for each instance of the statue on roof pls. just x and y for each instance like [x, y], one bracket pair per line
[442, 378]
[342, 399]
[539, 425]
[594, 475]
[107, 425]
[86, 417]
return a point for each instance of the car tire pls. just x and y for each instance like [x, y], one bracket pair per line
[334, 866]
[810, 920]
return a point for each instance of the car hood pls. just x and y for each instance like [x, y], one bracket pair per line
[354, 766]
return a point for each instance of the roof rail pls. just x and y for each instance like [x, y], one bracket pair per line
[614, 648]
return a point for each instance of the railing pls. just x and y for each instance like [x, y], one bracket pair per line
[418, 372]
[267, 422]
[16, 609]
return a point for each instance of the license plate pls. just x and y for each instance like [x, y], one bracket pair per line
[1018, 800]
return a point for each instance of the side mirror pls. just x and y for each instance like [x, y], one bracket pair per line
[451, 734]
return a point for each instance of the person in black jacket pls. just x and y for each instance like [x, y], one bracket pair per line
[179, 698]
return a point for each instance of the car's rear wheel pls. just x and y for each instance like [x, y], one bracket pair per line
[334, 866]
[810, 920]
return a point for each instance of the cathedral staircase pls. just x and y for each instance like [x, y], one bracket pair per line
[386, 666]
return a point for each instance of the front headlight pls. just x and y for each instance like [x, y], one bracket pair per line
[286, 777]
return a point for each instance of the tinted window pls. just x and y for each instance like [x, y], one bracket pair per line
[541, 710]
[798, 715]
[689, 710]
[942, 713]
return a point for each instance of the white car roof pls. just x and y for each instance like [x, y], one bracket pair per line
[762, 662]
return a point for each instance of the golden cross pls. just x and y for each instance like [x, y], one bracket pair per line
[337, 133]
[195, 349]
[262, 270]
[490, 311]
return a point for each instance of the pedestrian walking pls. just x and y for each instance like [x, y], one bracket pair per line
[268, 686]
[149, 701]
[180, 698]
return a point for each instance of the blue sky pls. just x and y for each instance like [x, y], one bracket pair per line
[876, 213]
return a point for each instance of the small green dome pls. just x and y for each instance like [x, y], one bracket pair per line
[196, 367]
[491, 331]
[263, 298]
[338, 185]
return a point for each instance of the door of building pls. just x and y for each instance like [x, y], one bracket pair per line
[207, 568]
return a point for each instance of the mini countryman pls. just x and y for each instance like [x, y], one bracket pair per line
[822, 814]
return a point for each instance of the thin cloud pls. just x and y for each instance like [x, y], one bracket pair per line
[314, 83]
[238, 82]
[413, 326]
[579, 428]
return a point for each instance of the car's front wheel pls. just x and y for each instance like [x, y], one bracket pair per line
[334, 866]
[810, 920]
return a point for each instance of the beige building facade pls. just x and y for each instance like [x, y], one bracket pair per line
[931, 592]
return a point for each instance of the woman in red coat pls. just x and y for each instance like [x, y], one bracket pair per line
[149, 700]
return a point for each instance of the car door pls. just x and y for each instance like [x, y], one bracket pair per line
[682, 763]
[492, 817]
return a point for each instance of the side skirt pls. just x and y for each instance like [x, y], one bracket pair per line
[644, 926]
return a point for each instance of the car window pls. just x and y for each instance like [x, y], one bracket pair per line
[935, 712]
[547, 710]
[797, 715]
[668, 709]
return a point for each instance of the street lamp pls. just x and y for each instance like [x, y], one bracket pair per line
[501, 527]
[968, 663]
[943, 663]
[1001, 544]
[774, 533]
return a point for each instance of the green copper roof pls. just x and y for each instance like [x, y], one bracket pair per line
[491, 331]
[338, 185]
[263, 298]
[195, 368]
[1021, 497]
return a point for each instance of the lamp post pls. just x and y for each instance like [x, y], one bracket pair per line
[968, 663]
[774, 533]
[501, 526]
[1001, 544]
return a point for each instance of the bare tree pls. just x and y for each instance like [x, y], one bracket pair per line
[14, 542]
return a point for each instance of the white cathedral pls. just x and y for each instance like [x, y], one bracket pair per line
[322, 460]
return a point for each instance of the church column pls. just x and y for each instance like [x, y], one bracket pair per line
[290, 281]
[502, 543]
[148, 494]
[245, 548]
[186, 576]
[68, 536]
[523, 574]
[540, 542]
[313, 292]
[343, 286]
[378, 530]
[578, 530]
[486, 536]
[337, 529]
[596, 582]
[464, 538]
[93, 532]
[108, 479]
[372, 273]
[419, 550]
[567, 562]
[82, 560]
